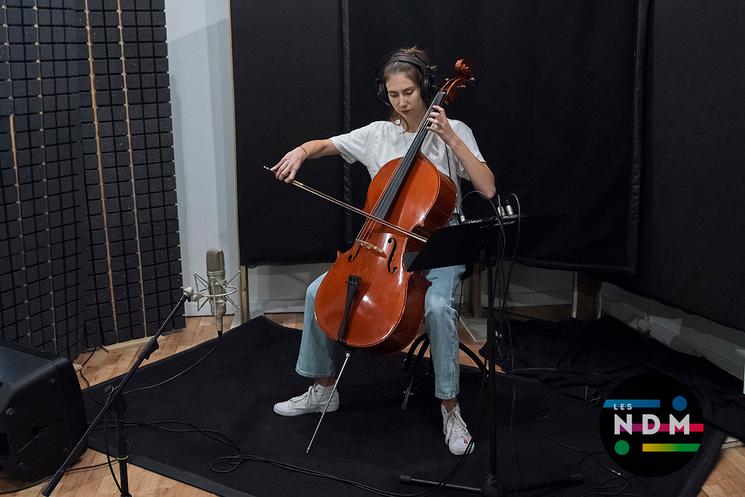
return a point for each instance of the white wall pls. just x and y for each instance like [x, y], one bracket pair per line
[531, 286]
[681, 331]
[201, 74]
[282, 288]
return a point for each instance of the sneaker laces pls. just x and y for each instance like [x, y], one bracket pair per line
[316, 394]
[455, 426]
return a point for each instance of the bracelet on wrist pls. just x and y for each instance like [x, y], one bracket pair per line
[303, 149]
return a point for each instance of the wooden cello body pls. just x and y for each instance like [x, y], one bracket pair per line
[367, 299]
[389, 304]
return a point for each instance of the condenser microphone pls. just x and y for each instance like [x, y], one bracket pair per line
[215, 289]
[216, 283]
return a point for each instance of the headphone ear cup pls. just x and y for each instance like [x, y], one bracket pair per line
[382, 91]
[428, 84]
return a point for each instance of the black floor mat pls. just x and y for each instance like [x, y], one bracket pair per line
[370, 440]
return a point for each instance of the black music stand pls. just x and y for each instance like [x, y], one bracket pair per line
[484, 241]
[458, 244]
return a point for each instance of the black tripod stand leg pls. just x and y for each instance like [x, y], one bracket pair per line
[493, 487]
[430, 483]
[122, 456]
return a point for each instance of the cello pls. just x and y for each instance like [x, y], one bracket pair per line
[367, 299]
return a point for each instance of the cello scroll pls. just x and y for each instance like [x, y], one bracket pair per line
[463, 79]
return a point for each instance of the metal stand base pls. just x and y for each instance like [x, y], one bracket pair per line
[492, 486]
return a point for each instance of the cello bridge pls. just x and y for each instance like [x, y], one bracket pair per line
[372, 248]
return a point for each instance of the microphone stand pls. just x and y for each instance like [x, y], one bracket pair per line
[115, 401]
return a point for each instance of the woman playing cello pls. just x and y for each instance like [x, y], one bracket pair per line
[405, 82]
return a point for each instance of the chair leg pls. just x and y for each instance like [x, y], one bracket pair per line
[419, 347]
[424, 341]
[475, 358]
[412, 350]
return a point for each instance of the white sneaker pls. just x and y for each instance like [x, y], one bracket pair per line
[313, 400]
[456, 433]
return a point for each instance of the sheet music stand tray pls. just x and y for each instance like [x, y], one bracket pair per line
[457, 244]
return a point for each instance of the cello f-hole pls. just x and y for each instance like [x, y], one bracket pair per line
[391, 254]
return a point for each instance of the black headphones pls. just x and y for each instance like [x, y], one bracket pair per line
[427, 71]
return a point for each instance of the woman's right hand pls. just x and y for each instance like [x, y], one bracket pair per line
[287, 167]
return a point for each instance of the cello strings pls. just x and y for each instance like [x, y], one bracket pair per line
[399, 176]
[382, 206]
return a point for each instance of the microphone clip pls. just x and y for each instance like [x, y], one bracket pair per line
[217, 301]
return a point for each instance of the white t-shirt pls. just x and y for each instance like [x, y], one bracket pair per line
[380, 141]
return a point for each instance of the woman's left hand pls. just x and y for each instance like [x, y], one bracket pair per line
[438, 122]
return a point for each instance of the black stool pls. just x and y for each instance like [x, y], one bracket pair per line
[422, 343]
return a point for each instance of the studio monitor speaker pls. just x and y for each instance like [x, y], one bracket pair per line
[41, 411]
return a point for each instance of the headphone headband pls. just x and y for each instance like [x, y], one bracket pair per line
[404, 57]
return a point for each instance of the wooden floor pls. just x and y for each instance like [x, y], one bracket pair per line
[727, 479]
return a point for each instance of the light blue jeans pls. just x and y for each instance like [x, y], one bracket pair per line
[316, 357]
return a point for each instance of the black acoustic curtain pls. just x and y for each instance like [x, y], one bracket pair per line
[554, 111]
[692, 239]
[89, 245]
[288, 83]
[556, 114]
